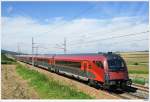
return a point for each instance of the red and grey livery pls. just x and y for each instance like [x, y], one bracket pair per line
[105, 70]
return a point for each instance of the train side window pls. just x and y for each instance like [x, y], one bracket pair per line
[69, 63]
[99, 64]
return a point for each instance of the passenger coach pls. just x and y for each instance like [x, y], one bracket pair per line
[105, 70]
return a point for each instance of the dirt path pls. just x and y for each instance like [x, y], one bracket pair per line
[98, 94]
[13, 86]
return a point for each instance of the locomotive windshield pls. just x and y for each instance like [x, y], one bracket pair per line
[116, 64]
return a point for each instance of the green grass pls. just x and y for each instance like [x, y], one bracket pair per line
[137, 72]
[6, 60]
[49, 88]
[137, 62]
[138, 81]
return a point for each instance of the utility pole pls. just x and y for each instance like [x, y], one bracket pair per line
[36, 50]
[65, 46]
[19, 48]
[32, 51]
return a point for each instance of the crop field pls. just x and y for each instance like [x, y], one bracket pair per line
[138, 65]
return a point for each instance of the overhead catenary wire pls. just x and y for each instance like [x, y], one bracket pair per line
[113, 45]
[95, 40]
[108, 38]
[41, 45]
[118, 43]
[109, 31]
[98, 40]
[129, 43]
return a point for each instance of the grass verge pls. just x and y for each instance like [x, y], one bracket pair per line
[6, 60]
[49, 88]
[138, 81]
[138, 72]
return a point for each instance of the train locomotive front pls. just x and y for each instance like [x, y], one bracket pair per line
[116, 72]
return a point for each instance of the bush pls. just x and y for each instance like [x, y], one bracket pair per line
[135, 63]
[139, 81]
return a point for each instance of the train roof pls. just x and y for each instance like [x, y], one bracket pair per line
[75, 57]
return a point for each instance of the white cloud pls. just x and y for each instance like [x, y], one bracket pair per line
[77, 31]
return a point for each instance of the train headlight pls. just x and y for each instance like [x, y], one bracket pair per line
[112, 82]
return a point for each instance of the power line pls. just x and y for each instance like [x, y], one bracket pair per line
[112, 37]
[110, 31]
[18, 48]
[63, 46]
[120, 43]
[32, 51]
[131, 41]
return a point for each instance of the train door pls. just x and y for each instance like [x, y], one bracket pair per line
[86, 67]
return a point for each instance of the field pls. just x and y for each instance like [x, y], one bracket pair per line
[138, 66]
[13, 86]
[49, 88]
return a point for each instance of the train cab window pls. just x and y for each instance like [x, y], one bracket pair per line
[116, 64]
[99, 64]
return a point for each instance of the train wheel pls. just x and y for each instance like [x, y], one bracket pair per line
[57, 71]
[92, 83]
[123, 85]
[49, 68]
[106, 87]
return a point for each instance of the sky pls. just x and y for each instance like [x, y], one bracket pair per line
[88, 27]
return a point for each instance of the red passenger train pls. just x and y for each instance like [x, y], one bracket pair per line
[105, 69]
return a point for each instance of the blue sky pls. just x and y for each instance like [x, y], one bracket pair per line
[69, 10]
[79, 22]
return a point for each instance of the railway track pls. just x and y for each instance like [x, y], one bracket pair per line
[136, 95]
[133, 92]
[141, 87]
